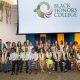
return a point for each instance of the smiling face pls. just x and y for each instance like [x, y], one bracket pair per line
[8, 43]
[37, 42]
[4, 49]
[53, 44]
[64, 49]
[49, 50]
[12, 50]
[56, 49]
[19, 43]
[30, 44]
[33, 50]
[25, 44]
[41, 50]
[14, 44]
[26, 49]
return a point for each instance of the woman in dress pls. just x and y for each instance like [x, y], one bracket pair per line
[19, 46]
[53, 47]
[24, 46]
[41, 59]
[49, 61]
[14, 46]
[61, 46]
[30, 46]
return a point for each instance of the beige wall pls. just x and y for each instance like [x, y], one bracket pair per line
[8, 33]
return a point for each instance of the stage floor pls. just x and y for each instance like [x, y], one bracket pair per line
[42, 76]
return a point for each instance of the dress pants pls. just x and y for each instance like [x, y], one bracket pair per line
[5, 66]
[20, 63]
[26, 66]
[68, 65]
[58, 64]
[15, 67]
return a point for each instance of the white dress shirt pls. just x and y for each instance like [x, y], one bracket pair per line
[13, 56]
[61, 48]
[25, 56]
[33, 56]
[30, 48]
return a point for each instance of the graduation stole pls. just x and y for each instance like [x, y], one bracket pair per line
[48, 55]
[18, 49]
[19, 57]
[35, 54]
[55, 55]
[67, 47]
[4, 56]
[41, 56]
[65, 55]
[26, 53]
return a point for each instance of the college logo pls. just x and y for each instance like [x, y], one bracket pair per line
[42, 14]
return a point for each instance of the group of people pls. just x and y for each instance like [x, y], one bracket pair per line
[42, 56]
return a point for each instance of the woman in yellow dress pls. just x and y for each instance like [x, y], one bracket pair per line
[49, 61]
[41, 59]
